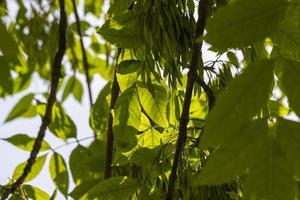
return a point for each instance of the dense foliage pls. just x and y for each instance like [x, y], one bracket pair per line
[168, 124]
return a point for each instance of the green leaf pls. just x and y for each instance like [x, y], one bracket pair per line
[127, 118]
[127, 73]
[256, 151]
[54, 194]
[77, 90]
[100, 110]
[145, 123]
[232, 58]
[35, 193]
[277, 109]
[144, 157]
[21, 107]
[96, 161]
[270, 176]
[150, 138]
[88, 159]
[234, 157]
[95, 7]
[68, 88]
[154, 100]
[290, 81]
[80, 191]
[61, 124]
[288, 137]
[287, 36]
[73, 86]
[59, 173]
[25, 142]
[8, 47]
[120, 188]
[36, 169]
[6, 82]
[118, 7]
[245, 21]
[122, 30]
[239, 103]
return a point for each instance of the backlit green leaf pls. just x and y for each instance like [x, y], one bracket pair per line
[25, 142]
[291, 81]
[288, 136]
[127, 117]
[121, 187]
[127, 73]
[154, 99]
[150, 138]
[100, 110]
[240, 102]
[143, 157]
[122, 30]
[234, 157]
[270, 176]
[59, 173]
[36, 169]
[88, 159]
[61, 124]
[21, 107]
[80, 191]
[245, 21]
[73, 86]
[35, 193]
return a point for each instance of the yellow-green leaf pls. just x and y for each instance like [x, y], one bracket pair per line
[35, 170]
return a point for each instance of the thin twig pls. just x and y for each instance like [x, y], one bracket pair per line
[56, 69]
[192, 75]
[83, 51]
[72, 142]
[115, 90]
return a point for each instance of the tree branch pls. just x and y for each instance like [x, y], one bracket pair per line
[209, 92]
[84, 57]
[192, 76]
[115, 90]
[56, 69]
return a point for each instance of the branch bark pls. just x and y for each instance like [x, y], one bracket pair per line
[208, 91]
[192, 76]
[46, 119]
[83, 51]
[115, 90]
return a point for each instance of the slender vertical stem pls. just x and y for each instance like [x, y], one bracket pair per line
[110, 135]
[209, 92]
[83, 51]
[56, 69]
[196, 56]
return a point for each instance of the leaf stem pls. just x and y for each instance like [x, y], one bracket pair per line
[192, 76]
[56, 69]
[115, 90]
[83, 51]
[209, 92]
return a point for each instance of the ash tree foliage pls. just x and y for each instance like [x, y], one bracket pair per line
[227, 129]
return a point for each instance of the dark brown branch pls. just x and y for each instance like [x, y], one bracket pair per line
[115, 90]
[84, 57]
[192, 76]
[209, 92]
[56, 69]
